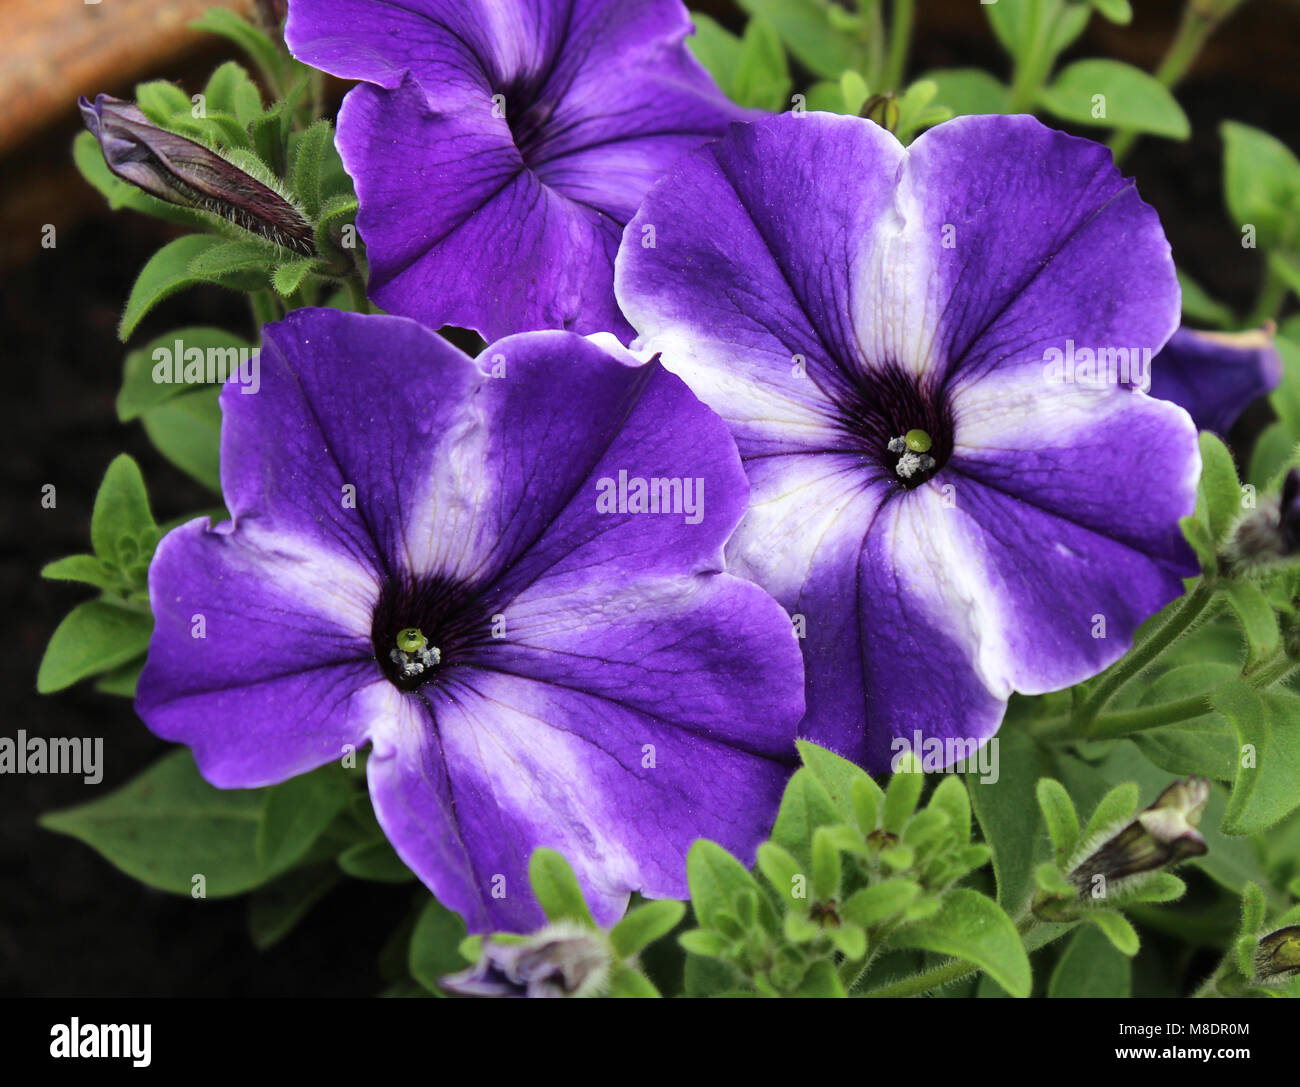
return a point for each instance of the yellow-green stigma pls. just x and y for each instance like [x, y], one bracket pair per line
[918, 441]
[411, 640]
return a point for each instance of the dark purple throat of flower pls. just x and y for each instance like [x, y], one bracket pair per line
[902, 429]
[423, 626]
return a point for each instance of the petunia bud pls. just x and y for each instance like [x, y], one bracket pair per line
[1163, 834]
[883, 109]
[560, 960]
[1278, 957]
[1270, 533]
[183, 172]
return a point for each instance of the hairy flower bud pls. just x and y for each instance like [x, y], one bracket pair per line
[1161, 835]
[1269, 534]
[183, 172]
[560, 960]
[1278, 956]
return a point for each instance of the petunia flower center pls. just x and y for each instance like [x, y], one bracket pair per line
[901, 427]
[421, 627]
[527, 117]
[413, 655]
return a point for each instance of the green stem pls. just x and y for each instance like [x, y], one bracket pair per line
[1200, 20]
[900, 42]
[1272, 294]
[1035, 64]
[1145, 652]
[1111, 725]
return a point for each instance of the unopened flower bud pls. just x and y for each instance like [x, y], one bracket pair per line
[183, 172]
[1278, 957]
[1163, 834]
[883, 109]
[1269, 534]
[560, 960]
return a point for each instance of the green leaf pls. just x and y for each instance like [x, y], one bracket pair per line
[159, 100]
[121, 513]
[626, 983]
[310, 149]
[1091, 967]
[1013, 23]
[1220, 484]
[1113, 94]
[275, 909]
[187, 431]
[901, 794]
[717, 49]
[1273, 449]
[805, 27]
[644, 925]
[971, 926]
[84, 568]
[879, 902]
[805, 806]
[165, 357]
[1285, 399]
[1258, 619]
[1117, 806]
[762, 78]
[297, 812]
[556, 888]
[1261, 181]
[826, 868]
[1008, 815]
[241, 265]
[820, 981]
[260, 49]
[375, 862]
[825, 96]
[836, 774]
[716, 878]
[968, 91]
[950, 797]
[1059, 815]
[1267, 786]
[165, 273]
[288, 277]
[337, 213]
[1122, 935]
[121, 681]
[169, 825]
[435, 942]
[1117, 11]
[1199, 306]
[94, 637]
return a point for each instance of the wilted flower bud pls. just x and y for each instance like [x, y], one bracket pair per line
[1268, 534]
[1278, 957]
[1163, 834]
[183, 172]
[883, 109]
[560, 960]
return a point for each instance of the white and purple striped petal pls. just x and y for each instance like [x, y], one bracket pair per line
[830, 293]
[551, 519]
[499, 146]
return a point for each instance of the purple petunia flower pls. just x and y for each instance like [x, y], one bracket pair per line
[506, 577]
[1216, 376]
[504, 144]
[883, 329]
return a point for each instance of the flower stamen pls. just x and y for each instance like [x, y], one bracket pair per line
[913, 457]
[413, 654]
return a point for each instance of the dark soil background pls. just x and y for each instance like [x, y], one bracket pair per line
[71, 924]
